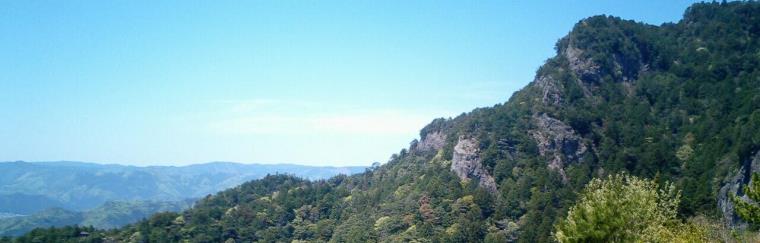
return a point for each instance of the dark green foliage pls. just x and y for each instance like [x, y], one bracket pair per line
[678, 102]
[64, 235]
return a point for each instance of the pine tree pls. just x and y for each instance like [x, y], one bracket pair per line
[749, 211]
[624, 208]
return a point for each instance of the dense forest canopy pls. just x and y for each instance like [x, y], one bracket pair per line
[674, 103]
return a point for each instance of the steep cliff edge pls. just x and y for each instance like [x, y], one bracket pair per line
[557, 141]
[466, 164]
[676, 103]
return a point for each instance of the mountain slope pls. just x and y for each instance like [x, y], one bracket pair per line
[678, 102]
[26, 188]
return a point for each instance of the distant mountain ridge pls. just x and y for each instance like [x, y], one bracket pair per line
[675, 103]
[29, 187]
[110, 215]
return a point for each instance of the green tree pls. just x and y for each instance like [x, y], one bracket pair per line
[624, 208]
[748, 211]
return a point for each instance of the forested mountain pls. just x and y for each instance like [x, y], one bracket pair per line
[674, 103]
[26, 188]
[45, 194]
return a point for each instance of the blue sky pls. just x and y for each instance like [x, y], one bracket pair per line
[307, 82]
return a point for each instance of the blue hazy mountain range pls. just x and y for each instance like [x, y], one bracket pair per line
[30, 187]
[109, 215]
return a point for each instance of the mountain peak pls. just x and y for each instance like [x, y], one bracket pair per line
[673, 103]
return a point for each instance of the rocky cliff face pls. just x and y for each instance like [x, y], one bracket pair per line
[432, 141]
[465, 160]
[734, 185]
[585, 69]
[628, 56]
[558, 141]
[466, 164]
[549, 89]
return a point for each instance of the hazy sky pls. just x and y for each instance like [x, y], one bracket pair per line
[307, 82]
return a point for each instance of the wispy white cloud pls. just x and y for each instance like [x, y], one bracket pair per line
[377, 122]
[372, 122]
[485, 93]
[262, 104]
[278, 117]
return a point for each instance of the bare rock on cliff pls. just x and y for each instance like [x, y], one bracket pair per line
[587, 71]
[466, 164]
[558, 141]
[584, 68]
[432, 141]
[550, 90]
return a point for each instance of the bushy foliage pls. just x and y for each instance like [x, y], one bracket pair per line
[678, 103]
[749, 210]
[63, 234]
[624, 208]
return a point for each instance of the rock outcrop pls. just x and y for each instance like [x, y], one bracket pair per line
[432, 142]
[587, 72]
[628, 59]
[466, 164]
[550, 90]
[734, 185]
[558, 141]
[584, 68]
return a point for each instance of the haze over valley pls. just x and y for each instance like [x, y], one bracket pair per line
[406, 121]
[43, 194]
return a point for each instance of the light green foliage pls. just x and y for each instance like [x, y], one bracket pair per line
[651, 88]
[624, 208]
[684, 152]
[749, 211]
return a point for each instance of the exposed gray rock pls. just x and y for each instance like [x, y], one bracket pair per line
[550, 90]
[627, 68]
[466, 164]
[558, 141]
[726, 206]
[733, 185]
[432, 141]
[585, 69]
[508, 147]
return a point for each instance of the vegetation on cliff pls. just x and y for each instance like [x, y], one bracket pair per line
[674, 103]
